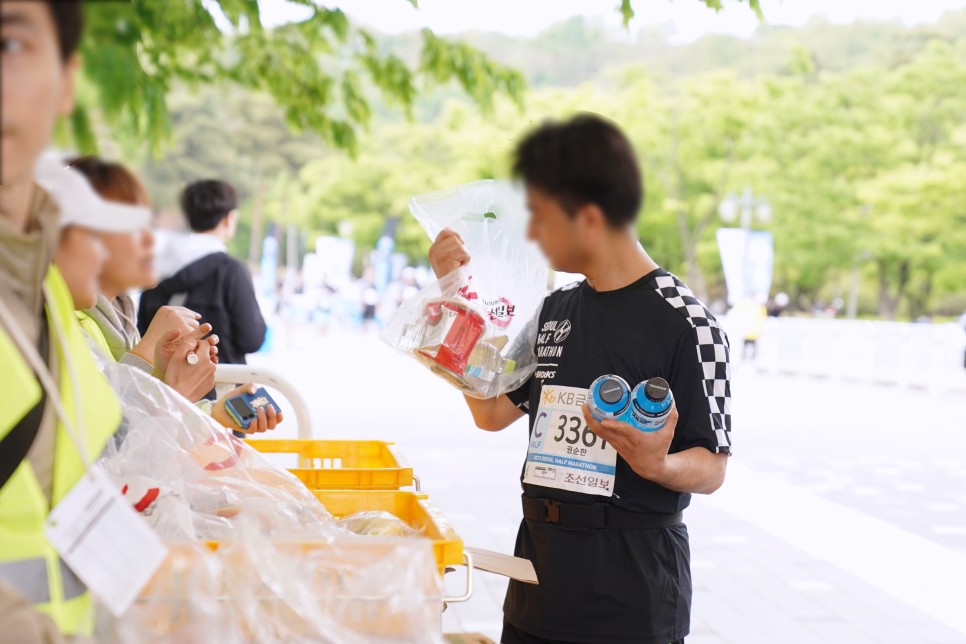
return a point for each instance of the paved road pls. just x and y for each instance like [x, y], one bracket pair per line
[843, 518]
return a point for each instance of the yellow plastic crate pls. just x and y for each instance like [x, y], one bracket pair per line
[343, 465]
[412, 507]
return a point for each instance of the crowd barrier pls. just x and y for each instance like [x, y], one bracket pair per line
[924, 356]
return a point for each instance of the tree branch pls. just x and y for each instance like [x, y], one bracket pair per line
[719, 190]
[683, 212]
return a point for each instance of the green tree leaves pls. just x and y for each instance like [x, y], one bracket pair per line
[444, 60]
[859, 144]
[627, 10]
[323, 71]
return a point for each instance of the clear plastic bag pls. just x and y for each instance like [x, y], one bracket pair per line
[377, 524]
[190, 477]
[474, 326]
[253, 555]
[253, 589]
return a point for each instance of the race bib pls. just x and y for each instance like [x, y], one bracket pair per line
[564, 453]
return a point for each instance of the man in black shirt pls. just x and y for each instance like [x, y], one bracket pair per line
[602, 502]
[201, 275]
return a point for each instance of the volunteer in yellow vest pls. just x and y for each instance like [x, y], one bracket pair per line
[40, 598]
[130, 265]
[110, 324]
[54, 462]
[90, 412]
[27, 562]
[81, 255]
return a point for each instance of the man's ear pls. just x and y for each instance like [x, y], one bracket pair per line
[592, 217]
[67, 92]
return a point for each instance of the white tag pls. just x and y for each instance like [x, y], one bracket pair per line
[563, 452]
[104, 541]
[501, 564]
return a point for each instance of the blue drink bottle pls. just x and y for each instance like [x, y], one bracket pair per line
[650, 405]
[609, 398]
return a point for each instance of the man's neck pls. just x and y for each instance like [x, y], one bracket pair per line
[15, 200]
[623, 263]
[215, 234]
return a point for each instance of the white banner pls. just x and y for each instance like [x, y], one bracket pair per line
[748, 258]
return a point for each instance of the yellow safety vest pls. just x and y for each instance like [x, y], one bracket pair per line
[91, 329]
[27, 561]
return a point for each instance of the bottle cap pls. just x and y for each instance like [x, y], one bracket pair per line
[656, 389]
[611, 391]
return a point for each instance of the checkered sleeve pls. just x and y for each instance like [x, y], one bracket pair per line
[700, 373]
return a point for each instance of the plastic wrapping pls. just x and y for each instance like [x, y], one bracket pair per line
[253, 555]
[473, 327]
[378, 524]
[190, 477]
[357, 590]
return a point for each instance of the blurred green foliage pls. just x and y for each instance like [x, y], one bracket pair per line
[855, 134]
[321, 71]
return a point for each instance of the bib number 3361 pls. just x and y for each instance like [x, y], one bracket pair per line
[564, 453]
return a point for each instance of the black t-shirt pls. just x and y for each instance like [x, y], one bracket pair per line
[622, 585]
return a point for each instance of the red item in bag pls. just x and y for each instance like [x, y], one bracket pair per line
[466, 327]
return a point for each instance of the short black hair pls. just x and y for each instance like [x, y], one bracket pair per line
[69, 20]
[206, 203]
[585, 160]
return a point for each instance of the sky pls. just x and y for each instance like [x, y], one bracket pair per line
[683, 20]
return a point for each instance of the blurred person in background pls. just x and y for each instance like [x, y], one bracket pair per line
[370, 305]
[962, 324]
[324, 305]
[205, 278]
[81, 256]
[749, 317]
[406, 287]
[129, 264]
[778, 305]
[837, 305]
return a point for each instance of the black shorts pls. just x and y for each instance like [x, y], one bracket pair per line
[513, 635]
[607, 586]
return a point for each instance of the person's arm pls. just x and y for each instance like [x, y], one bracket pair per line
[245, 317]
[690, 453]
[696, 470]
[493, 414]
[136, 361]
